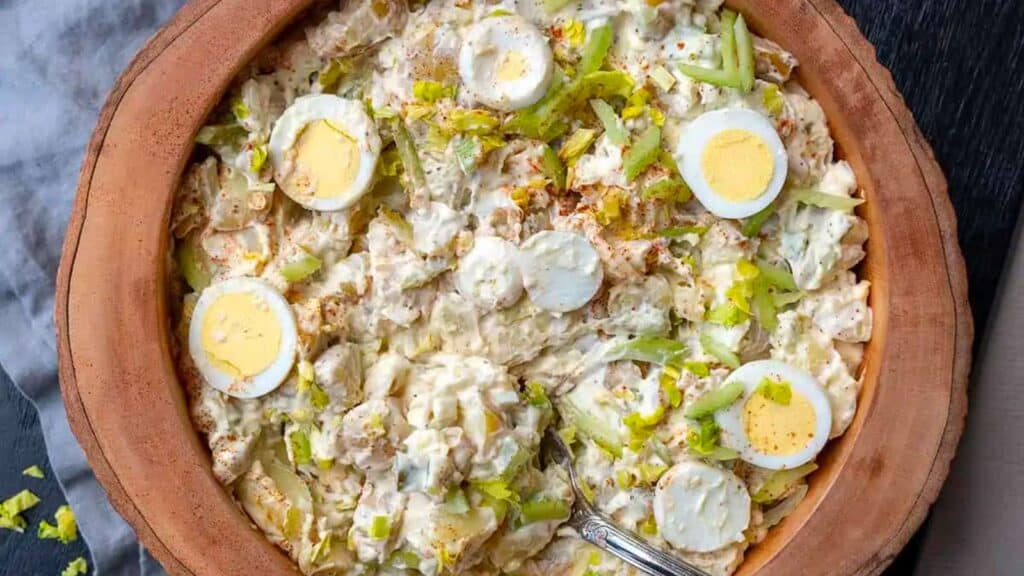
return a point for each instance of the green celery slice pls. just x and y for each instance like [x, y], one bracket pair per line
[719, 351]
[745, 53]
[729, 62]
[380, 527]
[595, 50]
[653, 349]
[781, 482]
[712, 76]
[642, 153]
[299, 270]
[764, 305]
[828, 201]
[778, 392]
[410, 159]
[776, 276]
[544, 509]
[674, 189]
[715, 400]
[552, 167]
[752, 226]
[592, 427]
[610, 120]
[576, 145]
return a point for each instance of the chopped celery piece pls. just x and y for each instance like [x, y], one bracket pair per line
[611, 207]
[783, 299]
[321, 549]
[778, 392]
[610, 121]
[474, 121]
[739, 295]
[66, 529]
[663, 78]
[467, 150]
[763, 305]
[624, 480]
[651, 349]
[703, 439]
[390, 164]
[729, 62]
[11, 509]
[259, 157]
[674, 189]
[318, 397]
[715, 400]
[719, 351]
[772, 99]
[215, 135]
[299, 270]
[679, 231]
[429, 91]
[745, 54]
[77, 567]
[239, 109]
[410, 159]
[782, 481]
[590, 426]
[595, 50]
[33, 472]
[455, 501]
[330, 75]
[697, 368]
[543, 120]
[568, 435]
[828, 201]
[575, 32]
[576, 145]
[650, 473]
[497, 488]
[192, 269]
[302, 452]
[544, 509]
[776, 276]
[642, 153]
[552, 167]
[606, 84]
[727, 315]
[536, 395]
[404, 559]
[380, 528]
[669, 377]
[552, 6]
[711, 76]
[752, 226]
[649, 526]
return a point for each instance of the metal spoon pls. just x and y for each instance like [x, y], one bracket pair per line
[596, 528]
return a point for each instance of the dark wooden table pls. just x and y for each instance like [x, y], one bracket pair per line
[960, 66]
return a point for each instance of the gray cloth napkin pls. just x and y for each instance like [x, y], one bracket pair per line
[58, 60]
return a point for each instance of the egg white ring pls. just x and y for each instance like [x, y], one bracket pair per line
[501, 34]
[695, 139]
[499, 258]
[351, 116]
[558, 286]
[731, 419]
[271, 377]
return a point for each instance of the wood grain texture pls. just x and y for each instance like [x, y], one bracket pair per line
[116, 370]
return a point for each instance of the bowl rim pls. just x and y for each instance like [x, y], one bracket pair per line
[111, 298]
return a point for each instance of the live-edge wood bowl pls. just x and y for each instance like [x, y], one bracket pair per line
[128, 409]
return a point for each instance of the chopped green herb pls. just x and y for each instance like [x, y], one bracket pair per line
[11, 509]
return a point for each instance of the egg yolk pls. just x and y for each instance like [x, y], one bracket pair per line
[326, 161]
[241, 335]
[779, 429]
[512, 67]
[737, 164]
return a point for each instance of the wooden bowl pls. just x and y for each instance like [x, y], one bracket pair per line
[128, 409]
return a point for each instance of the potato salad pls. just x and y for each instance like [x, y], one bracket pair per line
[415, 236]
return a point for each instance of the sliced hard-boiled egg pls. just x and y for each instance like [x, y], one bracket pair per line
[242, 337]
[782, 419]
[505, 62]
[561, 270]
[701, 508]
[489, 275]
[734, 161]
[324, 150]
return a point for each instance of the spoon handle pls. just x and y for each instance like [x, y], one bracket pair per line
[600, 532]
